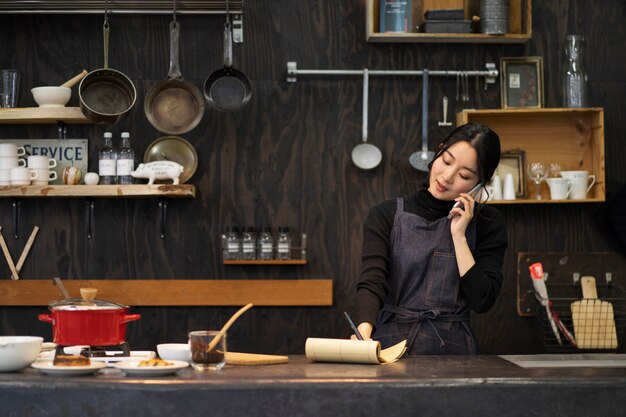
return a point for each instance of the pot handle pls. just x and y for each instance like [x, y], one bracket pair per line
[47, 318]
[130, 317]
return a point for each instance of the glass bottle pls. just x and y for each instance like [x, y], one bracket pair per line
[265, 244]
[574, 76]
[248, 243]
[232, 247]
[283, 244]
[125, 161]
[106, 160]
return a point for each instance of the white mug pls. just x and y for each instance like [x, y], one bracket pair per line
[20, 175]
[41, 162]
[560, 188]
[8, 162]
[11, 149]
[508, 192]
[581, 182]
[44, 176]
[5, 176]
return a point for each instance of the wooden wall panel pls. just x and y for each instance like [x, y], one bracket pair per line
[285, 158]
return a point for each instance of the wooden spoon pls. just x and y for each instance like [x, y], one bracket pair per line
[75, 79]
[229, 323]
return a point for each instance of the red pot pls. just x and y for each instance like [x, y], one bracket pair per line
[96, 323]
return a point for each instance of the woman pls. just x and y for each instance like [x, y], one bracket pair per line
[423, 271]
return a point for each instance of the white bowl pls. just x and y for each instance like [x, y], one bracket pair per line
[52, 96]
[174, 351]
[17, 352]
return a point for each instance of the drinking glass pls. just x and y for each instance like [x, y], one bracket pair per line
[537, 172]
[554, 170]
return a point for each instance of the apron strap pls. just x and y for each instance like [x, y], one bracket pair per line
[405, 315]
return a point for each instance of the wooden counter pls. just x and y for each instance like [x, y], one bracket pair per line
[421, 385]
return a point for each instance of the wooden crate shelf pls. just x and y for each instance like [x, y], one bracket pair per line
[570, 137]
[175, 292]
[520, 25]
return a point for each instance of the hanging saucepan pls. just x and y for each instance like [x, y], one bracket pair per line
[106, 95]
[365, 155]
[174, 106]
[227, 89]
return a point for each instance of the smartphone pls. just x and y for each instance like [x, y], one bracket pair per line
[473, 192]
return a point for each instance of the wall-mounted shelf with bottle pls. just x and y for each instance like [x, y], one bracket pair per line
[108, 191]
[520, 25]
[297, 255]
[573, 138]
[42, 115]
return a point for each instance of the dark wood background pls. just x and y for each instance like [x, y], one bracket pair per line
[285, 158]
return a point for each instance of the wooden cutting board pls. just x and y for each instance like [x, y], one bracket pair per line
[238, 358]
[593, 319]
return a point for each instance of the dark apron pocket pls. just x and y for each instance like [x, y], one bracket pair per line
[389, 334]
[442, 286]
[456, 341]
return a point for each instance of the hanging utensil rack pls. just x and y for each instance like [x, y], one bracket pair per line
[119, 6]
[132, 7]
[490, 73]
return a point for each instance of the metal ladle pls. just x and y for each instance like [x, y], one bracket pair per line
[420, 160]
[365, 155]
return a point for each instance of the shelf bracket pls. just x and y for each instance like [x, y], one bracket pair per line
[163, 208]
[16, 218]
[89, 205]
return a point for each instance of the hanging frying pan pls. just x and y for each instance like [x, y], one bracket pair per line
[227, 89]
[106, 95]
[174, 106]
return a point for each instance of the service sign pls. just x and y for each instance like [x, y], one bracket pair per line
[66, 152]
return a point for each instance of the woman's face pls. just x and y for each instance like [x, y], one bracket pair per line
[455, 171]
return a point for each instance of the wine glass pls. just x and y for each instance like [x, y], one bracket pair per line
[537, 172]
[554, 170]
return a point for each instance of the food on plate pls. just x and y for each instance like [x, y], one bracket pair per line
[71, 360]
[154, 362]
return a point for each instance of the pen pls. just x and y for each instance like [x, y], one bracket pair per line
[354, 329]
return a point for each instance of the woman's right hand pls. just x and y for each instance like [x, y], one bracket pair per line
[365, 329]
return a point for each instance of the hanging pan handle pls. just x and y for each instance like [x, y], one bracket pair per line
[105, 35]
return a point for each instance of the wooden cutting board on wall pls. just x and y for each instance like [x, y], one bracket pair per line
[594, 319]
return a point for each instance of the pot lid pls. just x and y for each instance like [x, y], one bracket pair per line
[176, 149]
[87, 302]
[81, 304]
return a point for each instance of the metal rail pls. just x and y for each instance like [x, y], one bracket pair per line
[490, 73]
[192, 7]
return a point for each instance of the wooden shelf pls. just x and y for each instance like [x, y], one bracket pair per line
[42, 115]
[110, 191]
[267, 262]
[180, 292]
[520, 25]
[570, 137]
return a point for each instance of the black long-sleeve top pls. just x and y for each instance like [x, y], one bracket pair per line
[480, 285]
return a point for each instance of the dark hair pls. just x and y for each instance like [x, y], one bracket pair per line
[484, 140]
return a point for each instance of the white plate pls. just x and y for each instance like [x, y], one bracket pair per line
[135, 355]
[50, 369]
[133, 368]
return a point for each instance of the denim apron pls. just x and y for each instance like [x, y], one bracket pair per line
[424, 304]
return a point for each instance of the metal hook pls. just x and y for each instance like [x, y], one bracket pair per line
[163, 207]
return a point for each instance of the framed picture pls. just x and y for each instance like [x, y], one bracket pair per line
[521, 82]
[512, 162]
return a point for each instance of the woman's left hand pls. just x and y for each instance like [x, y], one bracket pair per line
[462, 216]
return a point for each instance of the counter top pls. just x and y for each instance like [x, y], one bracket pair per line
[452, 385]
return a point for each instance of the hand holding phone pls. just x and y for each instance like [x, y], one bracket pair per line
[473, 192]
